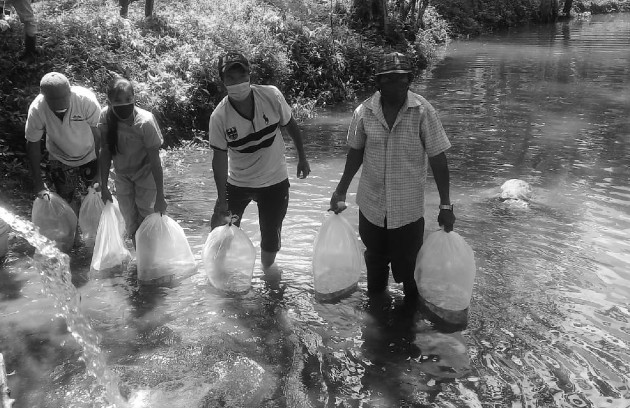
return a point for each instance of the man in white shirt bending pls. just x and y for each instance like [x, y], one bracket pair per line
[69, 117]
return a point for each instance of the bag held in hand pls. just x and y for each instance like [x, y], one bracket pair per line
[162, 249]
[90, 216]
[229, 257]
[336, 259]
[445, 271]
[55, 219]
[109, 247]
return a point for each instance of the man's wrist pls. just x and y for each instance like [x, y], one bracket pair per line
[446, 207]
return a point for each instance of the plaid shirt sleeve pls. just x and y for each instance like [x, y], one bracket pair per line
[432, 133]
[356, 131]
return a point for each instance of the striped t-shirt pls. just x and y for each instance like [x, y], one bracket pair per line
[255, 147]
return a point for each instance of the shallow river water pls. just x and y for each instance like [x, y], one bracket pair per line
[549, 320]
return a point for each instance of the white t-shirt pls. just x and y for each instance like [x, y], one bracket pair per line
[255, 148]
[134, 141]
[70, 141]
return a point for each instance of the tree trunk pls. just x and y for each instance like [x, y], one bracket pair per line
[370, 12]
[148, 8]
[568, 4]
[548, 11]
[421, 10]
[385, 17]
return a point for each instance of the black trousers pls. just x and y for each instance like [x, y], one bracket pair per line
[398, 247]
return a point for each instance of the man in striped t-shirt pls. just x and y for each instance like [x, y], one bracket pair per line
[392, 134]
[246, 128]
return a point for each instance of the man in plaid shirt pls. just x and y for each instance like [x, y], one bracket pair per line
[392, 134]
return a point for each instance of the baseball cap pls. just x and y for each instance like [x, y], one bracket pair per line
[55, 87]
[394, 63]
[231, 58]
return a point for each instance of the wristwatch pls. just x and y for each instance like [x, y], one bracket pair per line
[446, 207]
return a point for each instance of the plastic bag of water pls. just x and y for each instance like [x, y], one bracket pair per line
[228, 257]
[336, 259]
[109, 248]
[55, 219]
[445, 271]
[90, 215]
[162, 250]
[4, 238]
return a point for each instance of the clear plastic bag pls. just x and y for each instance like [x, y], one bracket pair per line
[162, 250]
[90, 215]
[337, 259]
[515, 189]
[109, 248]
[445, 271]
[228, 257]
[55, 219]
[4, 238]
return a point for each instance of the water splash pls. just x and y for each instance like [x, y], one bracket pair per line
[54, 270]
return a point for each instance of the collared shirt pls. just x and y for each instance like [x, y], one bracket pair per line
[255, 147]
[134, 141]
[69, 140]
[395, 161]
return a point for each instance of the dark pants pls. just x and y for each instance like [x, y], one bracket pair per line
[71, 183]
[398, 247]
[272, 201]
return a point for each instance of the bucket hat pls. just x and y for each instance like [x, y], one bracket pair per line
[394, 63]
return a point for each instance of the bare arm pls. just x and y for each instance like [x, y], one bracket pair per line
[96, 134]
[105, 163]
[439, 166]
[220, 215]
[303, 168]
[33, 150]
[220, 170]
[354, 160]
[158, 176]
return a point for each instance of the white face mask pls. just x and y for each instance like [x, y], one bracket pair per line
[238, 92]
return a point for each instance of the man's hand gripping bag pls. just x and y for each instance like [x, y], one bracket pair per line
[109, 247]
[162, 250]
[229, 257]
[336, 259]
[445, 273]
[55, 219]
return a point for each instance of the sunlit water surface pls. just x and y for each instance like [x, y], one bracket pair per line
[549, 317]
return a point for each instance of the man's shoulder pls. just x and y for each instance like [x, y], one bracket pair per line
[266, 89]
[83, 94]
[144, 115]
[418, 100]
[219, 110]
[37, 103]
